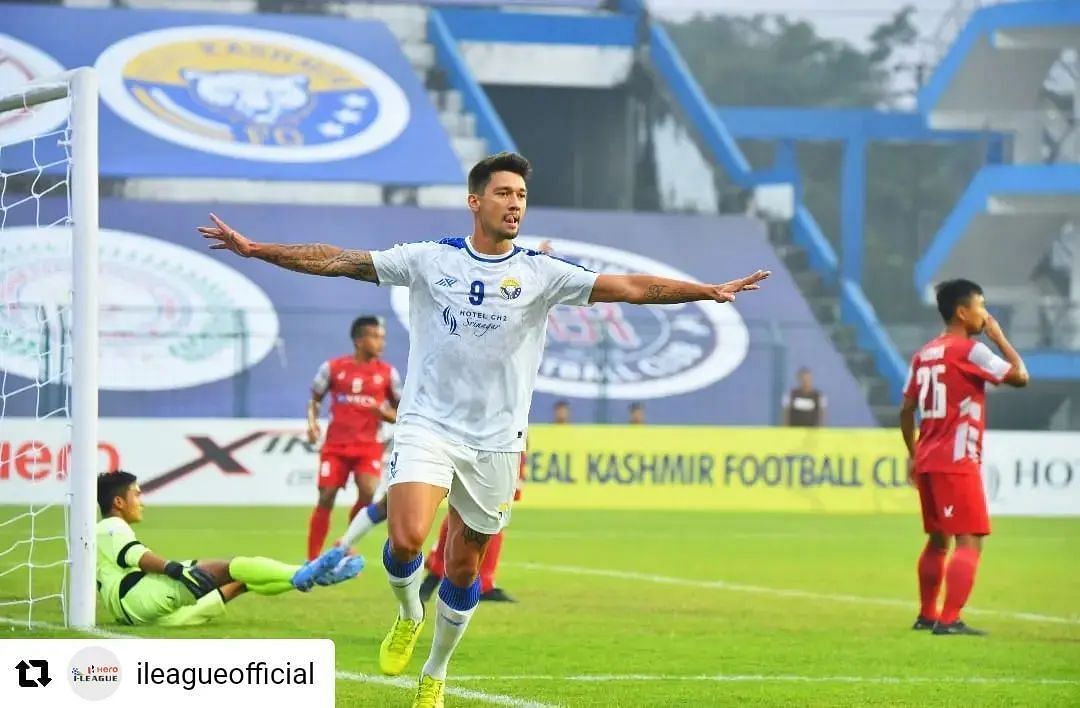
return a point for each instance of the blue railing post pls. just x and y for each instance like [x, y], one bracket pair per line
[852, 209]
[488, 124]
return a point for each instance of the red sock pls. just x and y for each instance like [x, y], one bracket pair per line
[931, 573]
[959, 577]
[318, 527]
[436, 562]
[490, 563]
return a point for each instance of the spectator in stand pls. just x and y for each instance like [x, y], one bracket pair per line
[804, 405]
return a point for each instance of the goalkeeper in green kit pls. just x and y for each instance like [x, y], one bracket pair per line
[137, 586]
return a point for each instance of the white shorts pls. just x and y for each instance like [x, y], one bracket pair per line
[481, 483]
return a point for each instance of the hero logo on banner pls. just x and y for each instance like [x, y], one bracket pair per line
[253, 94]
[168, 314]
[623, 351]
[1035, 474]
[177, 461]
[21, 63]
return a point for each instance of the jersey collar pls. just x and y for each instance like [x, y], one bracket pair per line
[488, 259]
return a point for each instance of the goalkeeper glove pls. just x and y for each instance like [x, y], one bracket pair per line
[195, 579]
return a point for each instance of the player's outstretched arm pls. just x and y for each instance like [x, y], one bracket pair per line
[311, 258]
[653, 290]
[1018, 374]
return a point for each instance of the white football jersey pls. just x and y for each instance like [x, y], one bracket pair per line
[477, 326]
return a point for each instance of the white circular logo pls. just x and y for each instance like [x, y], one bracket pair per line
[21, 63]
[615, 350]
[169, 318]
[252, 93]
[94, 673]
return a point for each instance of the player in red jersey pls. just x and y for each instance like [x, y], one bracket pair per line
[946, 386]
[364, 391]
[489, 565]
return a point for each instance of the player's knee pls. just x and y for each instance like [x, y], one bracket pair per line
[406, 542]
[218, 570]
[326, 498]
[969, 541]
[462, 572]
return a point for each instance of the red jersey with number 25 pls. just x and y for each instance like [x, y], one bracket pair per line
[357, 391]
[947, 379]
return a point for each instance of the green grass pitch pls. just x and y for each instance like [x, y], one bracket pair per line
[659, 608]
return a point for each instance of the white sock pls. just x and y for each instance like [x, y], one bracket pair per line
[450, 626]
[358, 527]
[405, 580]
[407, 592]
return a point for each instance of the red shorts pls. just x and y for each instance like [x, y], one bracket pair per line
[335, 466]
[953, 504]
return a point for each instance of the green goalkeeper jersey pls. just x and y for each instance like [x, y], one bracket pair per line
[118, 554]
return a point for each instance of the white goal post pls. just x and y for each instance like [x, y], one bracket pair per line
[79, 379]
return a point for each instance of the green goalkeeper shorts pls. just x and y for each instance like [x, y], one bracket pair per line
[158, 599]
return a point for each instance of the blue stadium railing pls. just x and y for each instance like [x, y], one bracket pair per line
[488, 124]
[856, 310]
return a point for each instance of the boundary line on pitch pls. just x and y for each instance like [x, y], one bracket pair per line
[780, 678]
[398, 682]
[410, 684]
[782, 592]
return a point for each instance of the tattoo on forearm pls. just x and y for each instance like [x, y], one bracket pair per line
[663, 294]
[355, 264]
[475, 538]
[322, 259]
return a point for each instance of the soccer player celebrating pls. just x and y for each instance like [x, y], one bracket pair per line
[946, 385]
[364, 391]
[478, 310]
[137, 586]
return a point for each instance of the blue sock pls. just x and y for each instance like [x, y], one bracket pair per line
[460, 599]
[455, 608]
[374, 514]
[405, 579]
[397, 569]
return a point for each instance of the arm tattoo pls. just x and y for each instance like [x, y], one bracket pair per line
[661, 294]
[475, 538]
[321, 259]
[354, 264]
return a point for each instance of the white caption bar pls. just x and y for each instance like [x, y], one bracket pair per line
[161, 673]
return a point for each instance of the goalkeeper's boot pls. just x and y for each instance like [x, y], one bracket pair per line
[304, 579]
[957, 627]
[429, 694]
[397, 648]
[347, 569]
[923, 623]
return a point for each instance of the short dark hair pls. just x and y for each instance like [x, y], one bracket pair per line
[480, 174]
[560, 403]
[111, 485]
[951, 294]
[357, 329]
[637, 406]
